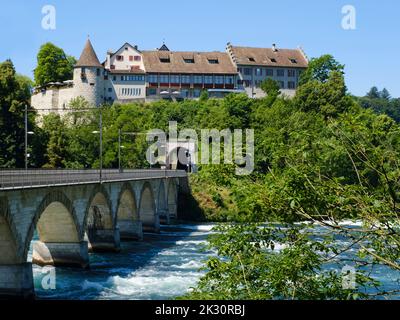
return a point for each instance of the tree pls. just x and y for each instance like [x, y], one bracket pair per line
[385, 94]
[373, 93]
[320, 68]
[381, 102]
[57, 141]
[14, 96]
[328, 98]
[271, 87]
[53, 65]
[204, 95]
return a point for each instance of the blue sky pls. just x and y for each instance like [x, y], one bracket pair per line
[370, 53]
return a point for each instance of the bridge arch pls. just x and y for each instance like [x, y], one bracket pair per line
[98, 211]
[172, 198]
[147, 209]
[8, 241]
[127, 205]
[127, 216]
[55, 220]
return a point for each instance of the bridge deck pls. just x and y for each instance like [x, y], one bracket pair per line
[26, 179]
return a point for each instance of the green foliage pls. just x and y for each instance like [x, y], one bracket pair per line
[271, 87]
[328, 98]
[319, 69]
[382, 103]
[14, 96]
[251, 266]
[53, 65]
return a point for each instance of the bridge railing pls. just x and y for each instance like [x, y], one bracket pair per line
[19, 179]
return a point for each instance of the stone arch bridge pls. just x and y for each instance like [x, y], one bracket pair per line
[72, 212]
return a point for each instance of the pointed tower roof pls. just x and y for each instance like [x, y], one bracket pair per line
[88, 57]
[164, 48]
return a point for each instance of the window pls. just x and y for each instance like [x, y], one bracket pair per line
[164, 78]
[188, 60]
[109, 89]
[98, 72]
[291, 85]
[293, 61]
[175, 79]
[229, 80]
[112, 67]
[280, 73]
[219, 79]
[196, 93]
[258, 72]
[184, 93]
[291, 73]
[185, 79]
[198, 79]
[247, 71]
[114, 78]
[153, 78]
[120, 58]
[138, 58]
[273, 60]
[270, 72]
[251, 59]
[208, 79]
[165, 60]
[152, 91]
[281, 84]
[213, 61]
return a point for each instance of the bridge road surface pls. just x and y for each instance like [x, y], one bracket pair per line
[26, 179]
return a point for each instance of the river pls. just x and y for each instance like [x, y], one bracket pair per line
[163, 266]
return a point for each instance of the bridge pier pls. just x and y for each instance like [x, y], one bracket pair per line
[16, 281]
[152, 225]
[61, 254]
[164, 217]
[104, 240]
[130, 229]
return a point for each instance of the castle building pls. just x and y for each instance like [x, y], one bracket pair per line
[132, 75]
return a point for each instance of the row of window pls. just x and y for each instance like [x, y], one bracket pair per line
[259, 72]
[131, 78]
[131, 58]
[187, 79]
[184, 93]
[282, 84]
[133, 92]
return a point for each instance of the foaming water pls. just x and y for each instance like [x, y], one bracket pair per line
[163, 266]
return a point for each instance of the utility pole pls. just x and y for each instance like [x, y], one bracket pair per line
[101, 145]
[26, 137]
[119, 150]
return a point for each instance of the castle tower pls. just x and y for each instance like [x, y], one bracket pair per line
[89, 76]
